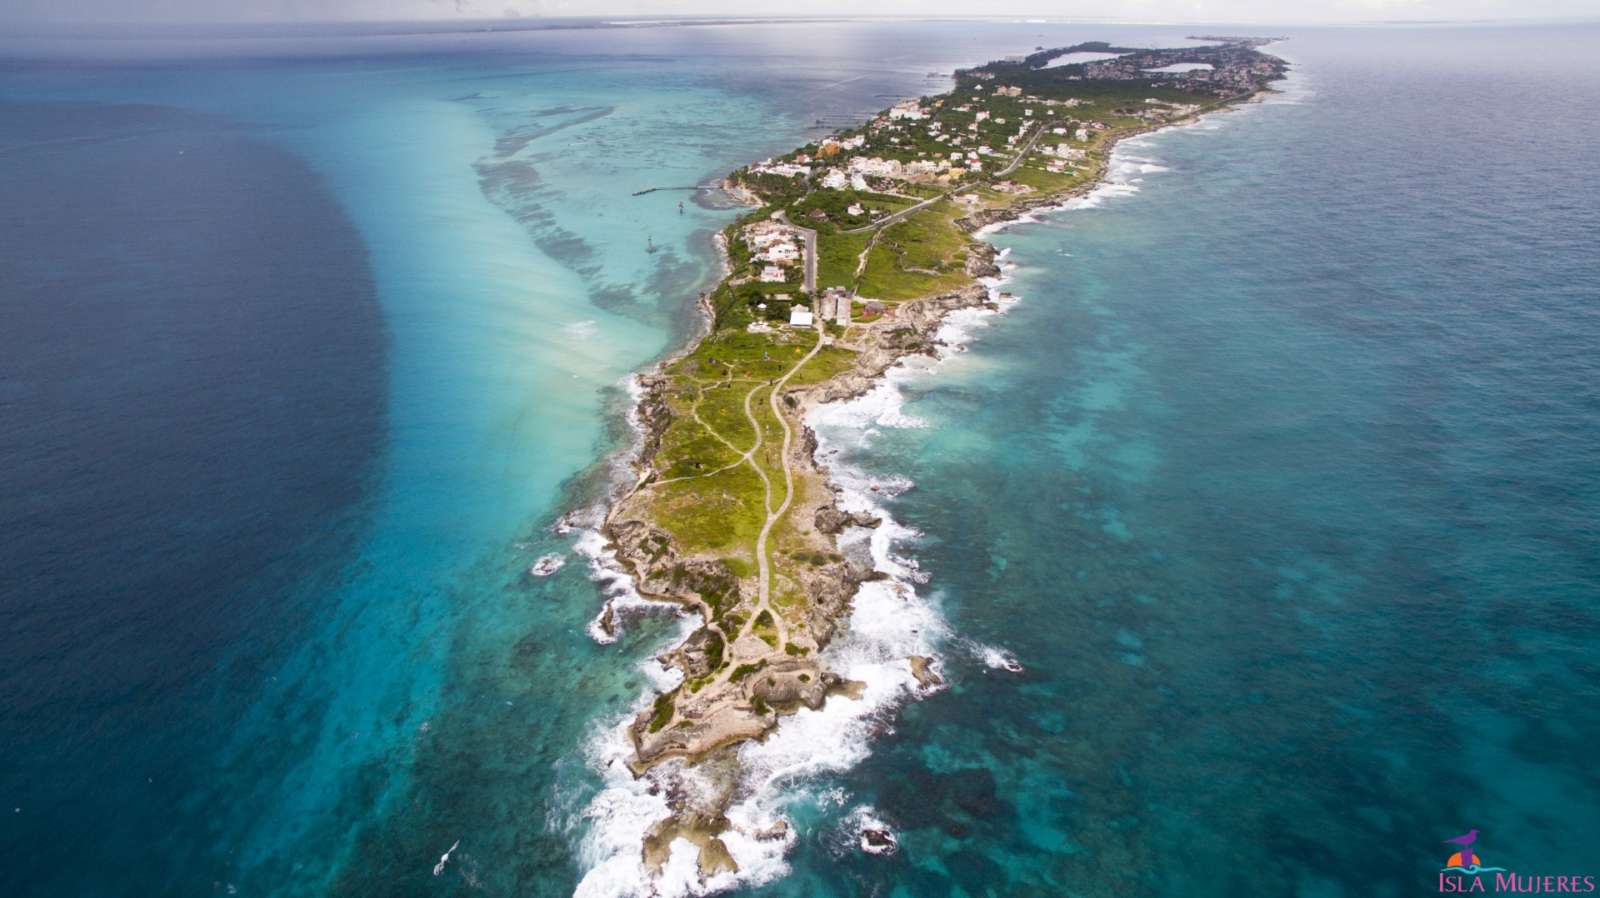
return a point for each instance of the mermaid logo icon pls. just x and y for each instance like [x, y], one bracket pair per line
[1466, 860]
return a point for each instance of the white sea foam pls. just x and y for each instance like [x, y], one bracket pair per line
[626, 808]
[994, 657]
[616, 585]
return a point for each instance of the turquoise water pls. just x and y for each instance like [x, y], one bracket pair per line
[1279, 483]
[1276, 482]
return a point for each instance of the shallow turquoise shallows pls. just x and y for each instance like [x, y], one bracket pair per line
[1277, 480]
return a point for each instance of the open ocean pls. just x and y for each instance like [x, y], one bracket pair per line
[1279, 480]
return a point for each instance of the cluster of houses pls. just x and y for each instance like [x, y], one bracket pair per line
[912, 128]
[774, 247]
[774, 250]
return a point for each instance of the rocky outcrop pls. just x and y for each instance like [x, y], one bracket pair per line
[652, 414]
[830, 520]
[981, 261]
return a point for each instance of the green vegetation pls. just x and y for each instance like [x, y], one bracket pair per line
[663, 710]
[837, 258]
[715, 514]
[922, 255]
[767, 628]
[828, 363]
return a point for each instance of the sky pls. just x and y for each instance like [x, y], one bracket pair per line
[153, 12]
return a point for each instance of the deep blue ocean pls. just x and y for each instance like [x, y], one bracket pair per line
[1280, 479]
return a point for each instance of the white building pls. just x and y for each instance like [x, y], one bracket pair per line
[834, 305]
[800, 316]
[835, 179]
[781, 253]
[782, 169]
[907, 109]
[874, 166]
[772, 274]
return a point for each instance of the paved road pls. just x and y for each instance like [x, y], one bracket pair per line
[811, 259]
[1023, 154]
[811, 250]
[911, 210]
[882, 222]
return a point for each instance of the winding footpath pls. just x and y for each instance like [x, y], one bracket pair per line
[763, 566]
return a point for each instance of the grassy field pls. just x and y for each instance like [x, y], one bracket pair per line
[919, 256]
[837, 257]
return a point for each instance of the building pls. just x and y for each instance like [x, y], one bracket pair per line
[781, 253]
[800, 316]
[772, 274]
[875, 167]
[781, 169]
[834, 305]
[907, 109]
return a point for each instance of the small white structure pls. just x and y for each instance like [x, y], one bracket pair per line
[800, 316]
[772, 274]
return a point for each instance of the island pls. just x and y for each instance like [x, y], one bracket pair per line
[854, 249]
